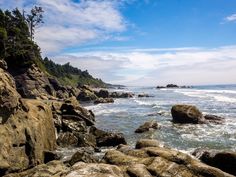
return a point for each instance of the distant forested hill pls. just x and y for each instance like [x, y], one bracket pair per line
[69, 75]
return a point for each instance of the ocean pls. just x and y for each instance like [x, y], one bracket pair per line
[125, 115]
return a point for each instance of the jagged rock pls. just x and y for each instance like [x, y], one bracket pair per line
[104, 138]
[50, 156]
[141, 95]
[3, 64]
[186, 114]
[53, 168]
[86, 140]
[103, 93]
[143, 143]
[121, 95]
[214, 119]
[25, 136]
[104, 100]
[82, 156]
[86, 94]
[147, 126]
[67, 139]
[32, 83]
[9, 98]
[226, 161]
[94, 170]
[172, 86]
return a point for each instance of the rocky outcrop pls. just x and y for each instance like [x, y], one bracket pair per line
[121, 95]
[191, 114]
[25, 137]
[147, 126]
[9, 98]
[141, 95]
[186, 114]
[226, 161]
[159, 161]
[147, 161]
[104, 100]
[102, 93]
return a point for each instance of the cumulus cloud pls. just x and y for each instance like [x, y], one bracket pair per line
[158, 66]
[69, 23]
[231, 18]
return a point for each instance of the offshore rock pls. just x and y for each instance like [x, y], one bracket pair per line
[147, 126]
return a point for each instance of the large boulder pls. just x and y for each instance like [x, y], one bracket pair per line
[147, 126]
[26, 135]
[9, 98]
[226, 161]
[186, 114]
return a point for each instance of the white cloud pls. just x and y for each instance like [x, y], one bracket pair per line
[69, 23]
[173, 65]
[231, 18]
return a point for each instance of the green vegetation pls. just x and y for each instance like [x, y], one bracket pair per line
[68, 75]
[20, 51]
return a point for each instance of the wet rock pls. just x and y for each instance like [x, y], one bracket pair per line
[86, 140]
[103, 93]
[144, 95]
[172, 86]
[67, 139]
[143, 143]
[147, 126]
[121, 95]
[103, 100]
[82, 156]
[214, 119]
[186, 114]
[104, 138]
[50, 156]
[226, 161]
[86, 94]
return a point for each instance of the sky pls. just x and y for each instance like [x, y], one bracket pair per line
[140, 42]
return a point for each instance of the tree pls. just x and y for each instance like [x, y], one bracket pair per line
[34, 19]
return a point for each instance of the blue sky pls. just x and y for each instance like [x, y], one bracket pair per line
[141, 42]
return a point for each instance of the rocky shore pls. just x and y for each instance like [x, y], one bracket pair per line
[38, 116]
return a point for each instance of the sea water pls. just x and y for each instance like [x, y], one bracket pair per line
[125, 115]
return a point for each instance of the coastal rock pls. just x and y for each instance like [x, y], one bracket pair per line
[226, 161]
[141, 95]
[103, 93]
[159, 161]
[32, 83]
[143, 143]
[104, 138]
[121, 95]
[9, 98]
[53, 168]
[103, 100]
[172, 86]
[186, 114]
[82, 156]
[3, 64]
[86, 95]
[50, 156]
[214, 119]
[147, 126]
[67, 139]
[26, 136]
[94, 170]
